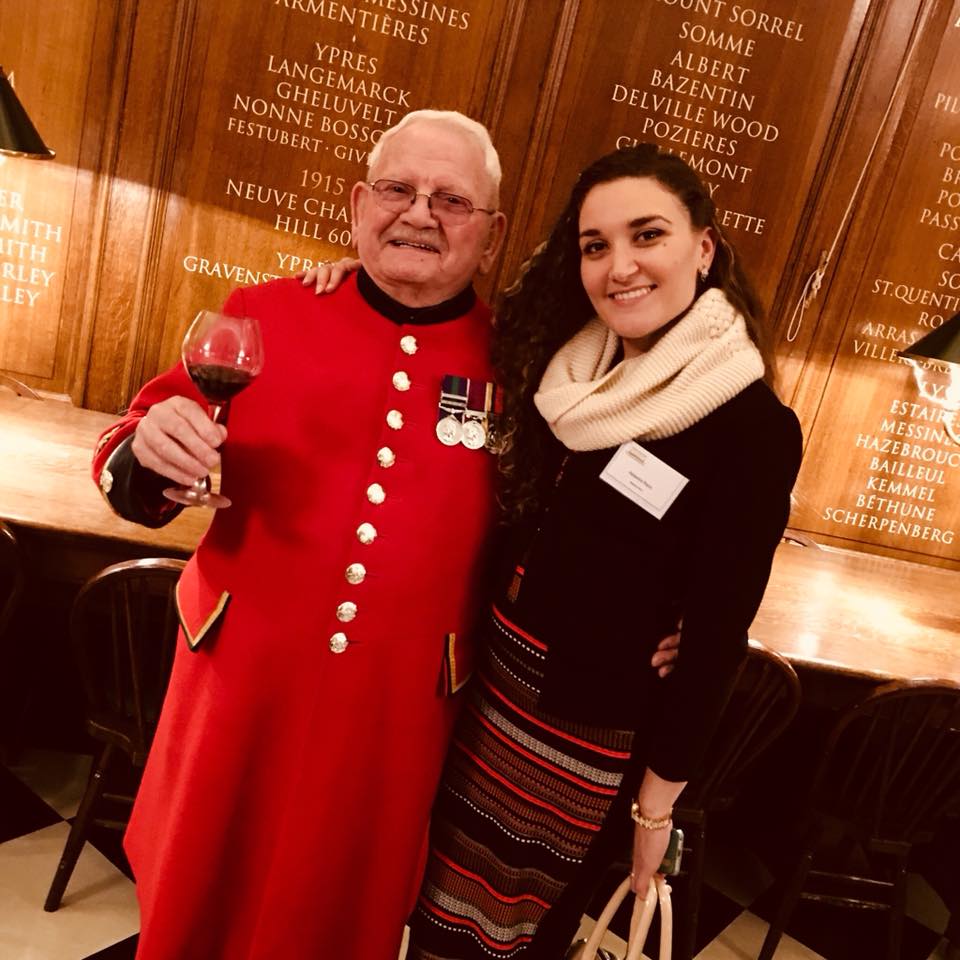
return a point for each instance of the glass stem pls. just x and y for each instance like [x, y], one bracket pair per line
[218, 414]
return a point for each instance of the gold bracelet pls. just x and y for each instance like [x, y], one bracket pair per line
[649, 823]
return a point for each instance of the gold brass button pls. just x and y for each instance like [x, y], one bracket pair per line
[376, 494]
[386, 457]
[408, 345]
[356, 573]
[338, 642]
[394, 419]
[366, 533]
[346, 611]
[401, 381]
[106, 480]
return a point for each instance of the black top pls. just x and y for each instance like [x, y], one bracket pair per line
[605, 580]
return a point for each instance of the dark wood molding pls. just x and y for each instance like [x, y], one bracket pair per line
[517, 247]
[150, 293]
[100, 146]
[135, 204]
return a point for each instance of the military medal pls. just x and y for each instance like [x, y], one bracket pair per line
[449, 431]
[467, 412]
[475, 416]
[474, 434]
[453, 401]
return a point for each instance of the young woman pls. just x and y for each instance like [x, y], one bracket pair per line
[647, 468]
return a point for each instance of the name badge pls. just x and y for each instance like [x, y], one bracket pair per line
[643, 478]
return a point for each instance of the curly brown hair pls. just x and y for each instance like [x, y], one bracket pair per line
[548, 305]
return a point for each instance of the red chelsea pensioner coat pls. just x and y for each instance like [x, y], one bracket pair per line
[284, 806]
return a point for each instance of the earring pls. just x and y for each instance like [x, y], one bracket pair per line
[703, 273]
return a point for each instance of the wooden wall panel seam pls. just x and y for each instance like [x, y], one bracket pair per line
[493, 108]
[514, 253]
[847, 283]
[820, 227]
[101, 191]
[838, 293]
[172, 115]
[881, 137]
[806, 250]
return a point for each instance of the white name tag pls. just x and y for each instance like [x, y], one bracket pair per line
[643, 478]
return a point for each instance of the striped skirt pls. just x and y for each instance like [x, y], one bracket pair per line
[523, 797]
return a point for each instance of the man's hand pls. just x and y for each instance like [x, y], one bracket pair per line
[178, 440]
[326, 277]
[665, 656]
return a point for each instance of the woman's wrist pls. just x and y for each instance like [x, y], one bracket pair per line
[655, 800]
[658, 821]
[653, 809]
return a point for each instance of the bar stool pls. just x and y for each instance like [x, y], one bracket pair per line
[123, 629]
[11, 575]
[11, 588]
[764, 700]
[889, 774]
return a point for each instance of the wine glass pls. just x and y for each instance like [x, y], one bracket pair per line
[222, 354]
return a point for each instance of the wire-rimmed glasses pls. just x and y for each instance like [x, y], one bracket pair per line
[446, 207]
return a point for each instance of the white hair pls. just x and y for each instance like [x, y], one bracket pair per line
[491, 162]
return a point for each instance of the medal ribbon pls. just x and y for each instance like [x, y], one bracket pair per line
[478, 393]
[454, 392]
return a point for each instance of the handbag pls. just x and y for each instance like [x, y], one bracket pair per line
[640, 921]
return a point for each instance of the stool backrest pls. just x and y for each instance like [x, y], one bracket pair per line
[123, 627]
[763, 701]
[892, 761]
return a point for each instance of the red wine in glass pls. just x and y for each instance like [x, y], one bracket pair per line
[219, 384]
[222, 354]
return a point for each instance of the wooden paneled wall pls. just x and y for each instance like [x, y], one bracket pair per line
[208, 143]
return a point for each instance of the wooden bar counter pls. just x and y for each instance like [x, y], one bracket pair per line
[826, 610]
[46, 447]
[861, 615]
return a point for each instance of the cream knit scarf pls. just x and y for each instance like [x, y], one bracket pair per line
[700, 363]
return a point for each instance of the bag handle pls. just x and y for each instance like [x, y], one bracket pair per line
[640, 920]
[666, 917]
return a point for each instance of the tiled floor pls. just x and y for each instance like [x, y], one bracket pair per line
[98, 918]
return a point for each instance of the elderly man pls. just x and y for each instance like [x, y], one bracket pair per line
[326, 614]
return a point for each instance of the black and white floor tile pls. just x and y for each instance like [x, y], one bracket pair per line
[39, 795]
[98, 919]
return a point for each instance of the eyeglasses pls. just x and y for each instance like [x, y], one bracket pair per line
[446, 207]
